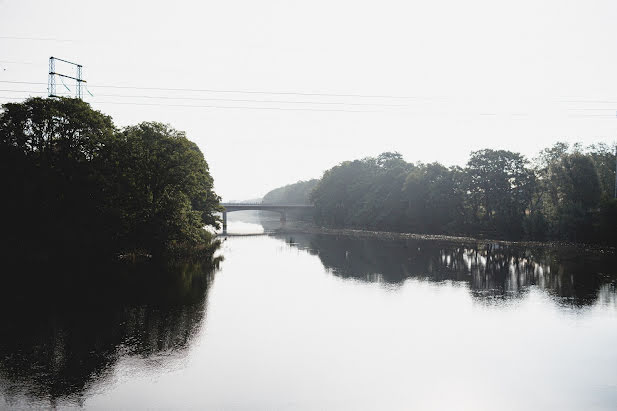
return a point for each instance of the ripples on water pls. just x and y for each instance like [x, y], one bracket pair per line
[316, 321]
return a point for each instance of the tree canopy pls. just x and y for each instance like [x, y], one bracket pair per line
[77, 185]
[565, 194]
[296, 193]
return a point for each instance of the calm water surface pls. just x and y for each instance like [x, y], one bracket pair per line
[325, 322]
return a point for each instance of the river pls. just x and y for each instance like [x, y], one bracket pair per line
[298, 321]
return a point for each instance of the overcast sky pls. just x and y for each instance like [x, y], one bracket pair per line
[452, 76]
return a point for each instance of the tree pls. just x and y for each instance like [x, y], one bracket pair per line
[340, 192]
[575, 188]
[166, 192]
[434, 200]
[46, 150]
[564, 196]
[499, 189]
[62, 128]
[383, 204]
[78, 187]
[296, 193]
[363, 193]
[603, 157]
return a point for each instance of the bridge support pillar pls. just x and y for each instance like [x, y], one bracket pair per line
[283, 217]
[224, 222]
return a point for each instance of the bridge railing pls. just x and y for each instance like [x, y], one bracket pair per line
[267, 204]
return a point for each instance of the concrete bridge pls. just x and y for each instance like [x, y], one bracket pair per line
[282, 209]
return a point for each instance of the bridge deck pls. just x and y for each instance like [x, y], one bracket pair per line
[264, 206]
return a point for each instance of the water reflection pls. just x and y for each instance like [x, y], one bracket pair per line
[60, 339]
[572, 275]
[283, 333]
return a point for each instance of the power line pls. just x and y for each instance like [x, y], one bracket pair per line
[337, 104]
[590, 101]
[17, 62]
[223, 107]
[294, 93]
[241, 107]
[228, 99]
[25, 91]
[21, 82]
[582, 101]
[34, 38]
[593, 109]
[581, 116]
[257, 101]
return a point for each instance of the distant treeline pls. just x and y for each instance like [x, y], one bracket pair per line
[566, 193]
[74, 185]
[297, 193]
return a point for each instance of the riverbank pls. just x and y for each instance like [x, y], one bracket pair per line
[303, 227]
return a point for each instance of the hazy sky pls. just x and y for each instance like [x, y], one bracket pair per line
[454, 76]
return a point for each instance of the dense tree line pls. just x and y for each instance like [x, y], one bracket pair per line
[75, 185]
[564, 194]
[296, 193]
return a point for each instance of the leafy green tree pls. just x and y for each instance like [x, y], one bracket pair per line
[603, 157]
[46, 150]
[79, 187]
[605, 219]
[363, 193]
[297, 193]
[575, 179]
[575, 188]
[564, 196]
[340, 192]
[61, 129]
[390, 160]
[166, 192]
[499, 190]
[383, 204]
[434, 199]
[605, 222]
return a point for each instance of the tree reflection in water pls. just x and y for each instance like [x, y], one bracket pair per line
[63, 334]
[61, 337]
[571, 275]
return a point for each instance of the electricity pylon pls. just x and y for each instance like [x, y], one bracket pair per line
[51, 82]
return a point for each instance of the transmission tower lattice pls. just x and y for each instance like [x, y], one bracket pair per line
[51, 82]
